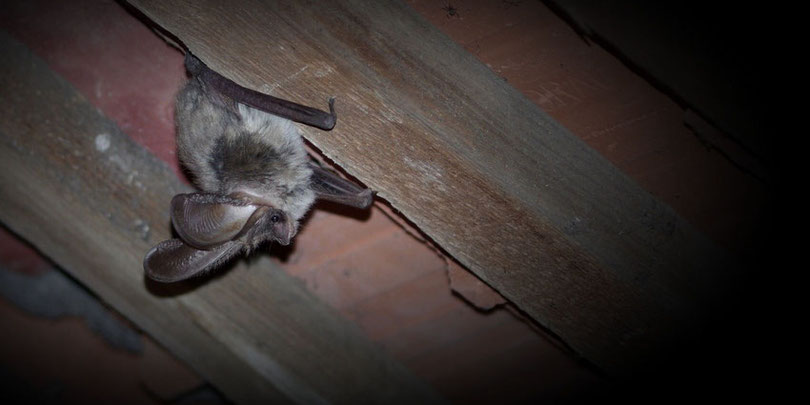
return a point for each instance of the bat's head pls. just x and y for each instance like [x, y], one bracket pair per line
[204, 220]
[213, 228]
[274, 225]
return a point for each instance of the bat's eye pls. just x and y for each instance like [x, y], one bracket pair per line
[275, 218]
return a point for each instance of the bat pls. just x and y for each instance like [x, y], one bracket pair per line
[254, 176]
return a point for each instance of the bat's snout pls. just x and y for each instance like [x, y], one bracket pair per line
[285, 235]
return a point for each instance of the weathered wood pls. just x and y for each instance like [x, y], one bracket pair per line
[92, 200]
[496, 182]
[705, 55]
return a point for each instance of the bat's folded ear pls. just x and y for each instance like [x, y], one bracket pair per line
[205, 221]
[172, 260]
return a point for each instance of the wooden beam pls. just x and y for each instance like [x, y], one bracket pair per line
[93, 201]
[704, 55]
[501, 186]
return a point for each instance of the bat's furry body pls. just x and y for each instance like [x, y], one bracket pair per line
[256, 179]
[237, 148]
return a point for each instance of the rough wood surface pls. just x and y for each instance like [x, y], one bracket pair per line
[491, 178]
[81, 191]
[705, 55]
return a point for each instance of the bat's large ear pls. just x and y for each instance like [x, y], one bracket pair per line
[205, 220]
[172, 260]
[330, 186]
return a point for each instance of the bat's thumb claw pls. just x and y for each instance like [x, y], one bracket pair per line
[332, 119]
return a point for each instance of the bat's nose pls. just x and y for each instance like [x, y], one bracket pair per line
[287, 236]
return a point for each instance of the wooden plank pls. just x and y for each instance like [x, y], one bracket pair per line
[92, 200]
[705, 55]
[496, 182]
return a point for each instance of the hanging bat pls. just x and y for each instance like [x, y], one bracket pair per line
[256, 180]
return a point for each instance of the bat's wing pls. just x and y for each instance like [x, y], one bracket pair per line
[260, 101]
[172, 260]
[330, 186]
[206, 221]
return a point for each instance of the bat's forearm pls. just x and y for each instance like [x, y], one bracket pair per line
[273, 105]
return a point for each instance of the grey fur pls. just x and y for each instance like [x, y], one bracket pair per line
[231, 147]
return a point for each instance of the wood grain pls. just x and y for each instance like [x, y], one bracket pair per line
[700, 54]
[511, 194]
[93, 201]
